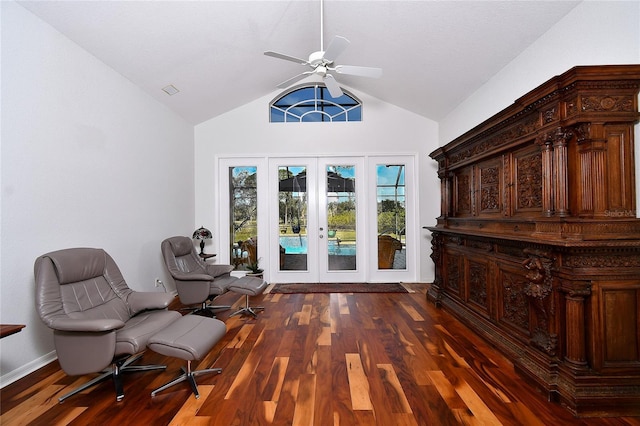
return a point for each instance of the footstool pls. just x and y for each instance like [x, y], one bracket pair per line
[189, 338]
[249, 286]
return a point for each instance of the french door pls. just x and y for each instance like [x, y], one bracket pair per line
[317, 219]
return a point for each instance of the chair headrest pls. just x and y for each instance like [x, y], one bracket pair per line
[180, 246]
[78, 264]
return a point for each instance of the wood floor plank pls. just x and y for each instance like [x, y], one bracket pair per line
[39, 403]
[395, 391]
[318, 359]
[323, 409]
[240, 336]
[244, 377]
[303, 413]
[273, 385]
[446, 390]
[412, 312]
[341, 394]
[358, 384]
[343, 303]
[270, 410]
[304, 316]
[189, 410]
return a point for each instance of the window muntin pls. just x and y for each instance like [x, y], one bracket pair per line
[314, 104]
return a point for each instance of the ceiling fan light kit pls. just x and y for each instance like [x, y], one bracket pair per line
[322, 63]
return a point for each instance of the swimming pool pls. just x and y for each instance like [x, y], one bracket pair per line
[298, 245]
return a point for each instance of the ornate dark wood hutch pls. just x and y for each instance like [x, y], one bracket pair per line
[537, 248]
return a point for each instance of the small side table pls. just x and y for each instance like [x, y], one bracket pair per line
[9, 329]
[206, 256]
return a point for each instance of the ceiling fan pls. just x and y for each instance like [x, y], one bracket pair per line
[322, 63]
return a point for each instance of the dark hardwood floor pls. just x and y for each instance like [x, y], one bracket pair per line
[313, 359]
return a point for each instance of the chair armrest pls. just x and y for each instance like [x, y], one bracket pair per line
[183, 276]
[86, 325]
[140, 301]
[217, 270]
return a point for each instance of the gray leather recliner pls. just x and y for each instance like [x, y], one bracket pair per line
[97, 320]
[196, 281]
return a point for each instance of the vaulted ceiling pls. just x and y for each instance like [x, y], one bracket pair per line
[434, 54]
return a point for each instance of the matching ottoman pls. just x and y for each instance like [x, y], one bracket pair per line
[189, 338]
[249, 286]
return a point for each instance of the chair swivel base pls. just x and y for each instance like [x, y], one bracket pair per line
[188, 376]
[206, 310]
[248, 310]
[118, 367]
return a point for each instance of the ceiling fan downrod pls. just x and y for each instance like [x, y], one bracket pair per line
[322, 26]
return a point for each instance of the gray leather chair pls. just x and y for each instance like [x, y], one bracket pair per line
[97, 320]
[196, 281]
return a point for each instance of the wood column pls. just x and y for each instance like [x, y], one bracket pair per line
[546, 143]
[561, 180]
[576, 350]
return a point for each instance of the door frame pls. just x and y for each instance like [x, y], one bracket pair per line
[294, 276]
[268, 236]
[360, 273]
[410, 273]
[316, 231]
[224, 225]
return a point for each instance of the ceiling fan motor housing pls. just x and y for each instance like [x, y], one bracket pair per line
[317, 58]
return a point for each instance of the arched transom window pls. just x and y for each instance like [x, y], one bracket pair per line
[313, 103]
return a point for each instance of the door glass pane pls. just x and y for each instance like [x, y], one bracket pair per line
[390, 190]
[292, 221]
[243, 211]
[341, 217]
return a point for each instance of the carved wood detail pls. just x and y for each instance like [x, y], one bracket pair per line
[529, 181]
[538, 241]
[478, 284]
[539, 291]
[514, 301]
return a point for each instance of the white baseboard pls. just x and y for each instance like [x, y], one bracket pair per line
[25, 370]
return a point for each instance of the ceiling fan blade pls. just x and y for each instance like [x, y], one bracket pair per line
[359, 71]
[332, 85]
[286, 57]
[295, 79]
[336, 47]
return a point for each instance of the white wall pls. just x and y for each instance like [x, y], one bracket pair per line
[87, 160]
[385, 129]
[593, 33]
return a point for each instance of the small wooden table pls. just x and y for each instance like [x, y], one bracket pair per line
[9, 329]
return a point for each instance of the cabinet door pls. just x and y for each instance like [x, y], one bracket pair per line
[478, 283]
[526, 184]
[513, 310]
[489, 184]
[462, 192]
[616, 319]
[453, 273]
